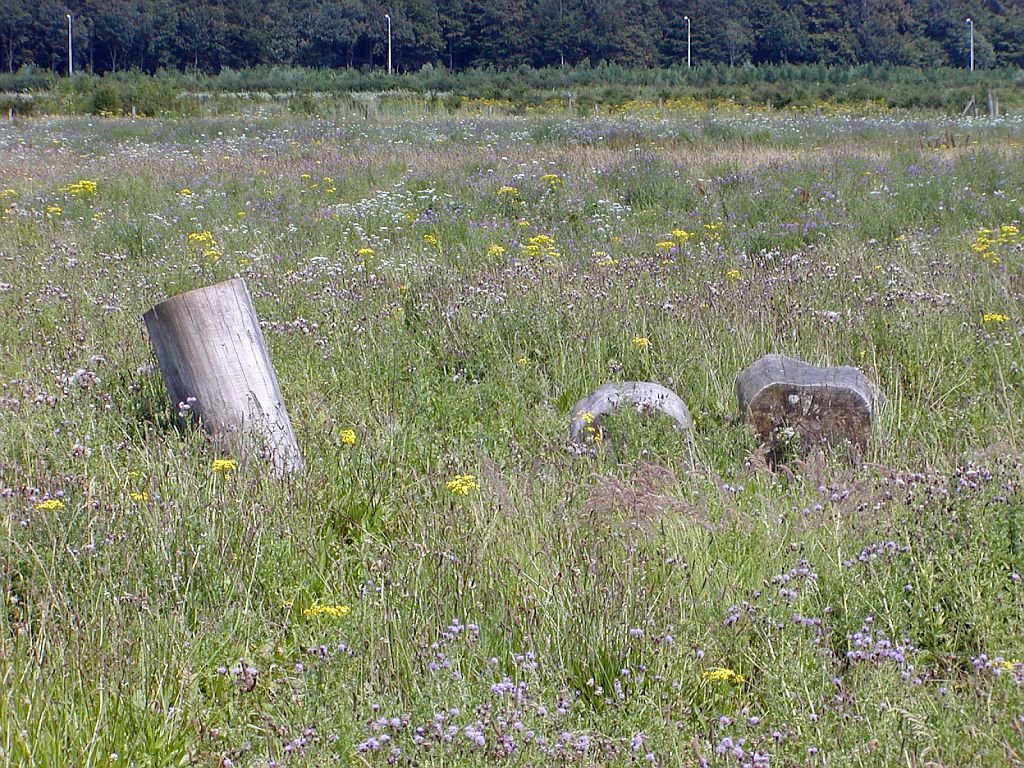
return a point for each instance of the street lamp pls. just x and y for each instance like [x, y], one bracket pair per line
[388, 17]
[970, 22]
[687, 20]
[71, 67]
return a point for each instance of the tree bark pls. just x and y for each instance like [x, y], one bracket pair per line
[795, 405]
[644, 395]
[215, 366]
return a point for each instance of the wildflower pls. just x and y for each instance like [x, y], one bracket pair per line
[733, 274]
[185, 192]
[724, 674]
[5, 193]
[495, 250]
[364, 252]
[665, 245]
[200, 238]
[430, 240]
[641, 341]
[223, 465]
[586, 416]
[681, 235]
[461, 485]
[50, 504]
[334, 611]
[54, 210]
[993, 317]
[348, 437]
[138, 496]
[82, 187]
[552, 180]
[212, 254]
[1008, 233]
[508, 193]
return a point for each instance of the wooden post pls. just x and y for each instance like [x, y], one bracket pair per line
[215, 366]
[793, 405]
[585, 420]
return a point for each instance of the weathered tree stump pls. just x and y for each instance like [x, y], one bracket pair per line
[644, 395]
[796, 406]
[215, 366]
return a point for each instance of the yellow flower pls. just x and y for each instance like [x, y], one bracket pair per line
[993, 317]
[185, 192]
[212, 254]
[137, 496]
[542, 240]
[54, 210]
[50, 504]
[641, 341]
[4, 194]
[551, 179]
[200, 238]
[510, 193]
[665, 245]
[348, 437]
[461, 485]
[733, 274]
[334, 611]
[223, 465]
[364, 252]
[681, 235]
[495, 250]
[523, 223]
[430, 240]
[82, 187]
[587, 417]
[724, 675]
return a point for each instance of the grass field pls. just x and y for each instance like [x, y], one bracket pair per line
[437, 293]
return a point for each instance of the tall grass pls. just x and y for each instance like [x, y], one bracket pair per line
[619, 605]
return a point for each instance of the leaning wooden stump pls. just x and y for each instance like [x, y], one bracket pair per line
[644, 395]
[215, 366]
[795, 406]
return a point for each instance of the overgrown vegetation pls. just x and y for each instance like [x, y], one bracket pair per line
[326, 92]
[437, 292]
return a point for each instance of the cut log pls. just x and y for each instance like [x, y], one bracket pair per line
[215, 366]
[793, 405]
[644, 395]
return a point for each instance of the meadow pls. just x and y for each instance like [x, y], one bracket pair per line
[449, 581]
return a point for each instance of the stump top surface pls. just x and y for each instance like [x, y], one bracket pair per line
[234, 285]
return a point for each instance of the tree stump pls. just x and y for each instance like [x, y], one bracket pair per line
[644, 395]
[215, 366]
[796, 406]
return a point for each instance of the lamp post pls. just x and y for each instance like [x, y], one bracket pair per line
[687, 20]
[71, 66]
[970, 23]
[388, 17]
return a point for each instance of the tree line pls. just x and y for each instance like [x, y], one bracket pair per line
[213, 35]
